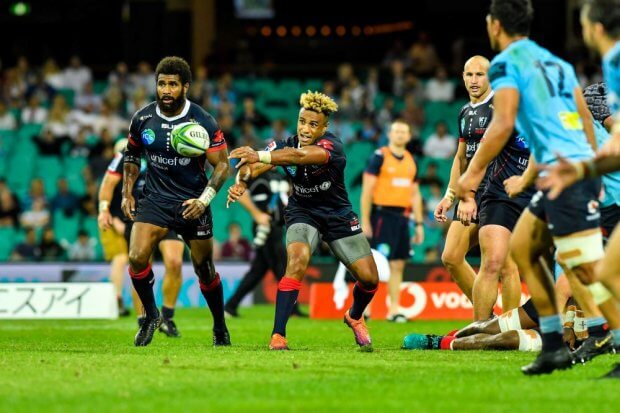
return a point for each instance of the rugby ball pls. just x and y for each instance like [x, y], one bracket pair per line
[189, 139]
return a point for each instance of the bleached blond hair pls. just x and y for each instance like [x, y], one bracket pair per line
[318, 102]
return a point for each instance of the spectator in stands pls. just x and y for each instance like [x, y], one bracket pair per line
[36, 217]
[278, 130]
[440, 144]
[41, 89]
[7, 120]
[236, 247]
[430, 203]
[35, 192]
[83, 118]
[49, 145]
[9, 206]
[251, 114]
[248, 135]
[413, 113]
[27, 250]
[58, 118]
[144, 78]
[387, 113]
[413, 86]
[440, 88]
[14, 87]
[415, 146]
[358, 95]
[369, 132]
[107, 119]
[397, 71]
[76, 75]
[49, 248]
[88, 201]
[24, 71]
[423, 56]
[372, 84]
[344, 77]
[34, 113]
[200, 88]
[139, 99]
[226, 124]
[119, 77]
[65, 199]
[78, 147]
[430, 176]
[83, 249]
[342, 128]
[88, 97]
[346, 106]
[52, 74]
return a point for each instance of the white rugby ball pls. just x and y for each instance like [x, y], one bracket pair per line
[189, 139]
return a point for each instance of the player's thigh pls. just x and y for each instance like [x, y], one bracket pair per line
[201, 250]
[494, 243]
[530, 239]
[143, 239]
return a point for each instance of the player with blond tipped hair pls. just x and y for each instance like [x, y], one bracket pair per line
[318, 208]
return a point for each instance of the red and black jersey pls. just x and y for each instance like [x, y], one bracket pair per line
[169, 175]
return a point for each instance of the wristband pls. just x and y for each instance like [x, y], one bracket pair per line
[450, 194]
[104, 205]
[207, 196]
[264, 156]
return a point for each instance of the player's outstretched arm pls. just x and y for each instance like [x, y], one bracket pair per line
[307, 155]
[506, 102]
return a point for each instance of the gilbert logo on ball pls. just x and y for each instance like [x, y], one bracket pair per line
[189, 139]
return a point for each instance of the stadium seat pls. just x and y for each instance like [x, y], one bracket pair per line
[49, 169]
[7, 237]
[66, 227]
[89, 224]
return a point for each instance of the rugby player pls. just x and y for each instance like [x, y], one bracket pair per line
[319, 207]
[177, 194]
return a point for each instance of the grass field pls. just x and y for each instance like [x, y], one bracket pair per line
[92, 366]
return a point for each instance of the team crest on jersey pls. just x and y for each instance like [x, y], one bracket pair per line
[292, 170]
[184, 161]
[148, 136]
[482, 121]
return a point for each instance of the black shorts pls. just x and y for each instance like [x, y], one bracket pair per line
[171, 235]
[478, 199]
[610, 216]
[330, 226]
[576, 209]
[390, 233]
[500, 211]
[169, 215]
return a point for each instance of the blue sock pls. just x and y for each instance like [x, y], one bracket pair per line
[595, 321]
[551, 332]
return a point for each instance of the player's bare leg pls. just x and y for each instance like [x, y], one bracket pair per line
[210, 287]
[144, 237]
[397, 268]
[298, 258]
[494, 241]
[458, 241]
[117, 276]
[511, 285]
[531, 241]
[172, 254]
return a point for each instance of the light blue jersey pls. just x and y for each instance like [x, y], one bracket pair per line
[611, 182]
[547, 115]
[611, 73]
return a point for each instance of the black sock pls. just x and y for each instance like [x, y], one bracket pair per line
[167, 312]
[213, 292]
[361, 298]
[288, 291]
[143, 284]
[551, 341]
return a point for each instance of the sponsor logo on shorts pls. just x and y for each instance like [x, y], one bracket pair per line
[355, 224]
[148, 136]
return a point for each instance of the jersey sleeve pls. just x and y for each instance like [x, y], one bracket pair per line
[503, 74]
[459, 126]
[133, 152]
[217, 142]
[332, 147]
[116, 165]
[375, 163]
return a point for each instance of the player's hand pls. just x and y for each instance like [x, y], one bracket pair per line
[104, 220]
[367, 229]
[569, 337]
[245, 154]
[559, 177]
[418, 237]
[467, 211]
[118, 225]
[262, 218]
[128, 206]
[235, 192]
[611, 147]
[514, 185]
[194, 209]
[442, 207]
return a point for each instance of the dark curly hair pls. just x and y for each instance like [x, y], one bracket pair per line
[515, 15]
[173, 65]
[606, 12]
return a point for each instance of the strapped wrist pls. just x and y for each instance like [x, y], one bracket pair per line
[207, 196]
[264, 156]
[104, 206]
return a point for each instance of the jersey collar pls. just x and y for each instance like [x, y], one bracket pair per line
[475, 105]
[179, 116]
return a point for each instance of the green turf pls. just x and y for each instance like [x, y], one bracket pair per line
[92, 366]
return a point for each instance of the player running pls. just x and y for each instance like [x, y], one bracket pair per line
[493, 229]
[319, 207]
[539, 93]
[177, 194]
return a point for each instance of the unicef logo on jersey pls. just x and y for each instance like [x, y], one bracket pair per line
[184, 161]
[148, 136]
[325, 185]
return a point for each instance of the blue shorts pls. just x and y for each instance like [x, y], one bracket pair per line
[330, 226]
[575, 210]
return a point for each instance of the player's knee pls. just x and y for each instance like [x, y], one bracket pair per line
[173, 266]
[138, 259]
[368, 277]
[492, 266]
[451, 260]
[298, 262]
